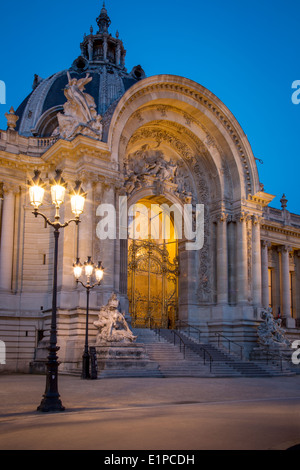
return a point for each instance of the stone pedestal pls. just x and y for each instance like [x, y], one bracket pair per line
[116, 359]
[290, 322]
[38, 365]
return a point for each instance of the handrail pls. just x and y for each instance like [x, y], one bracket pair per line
[157, 330]
[210, 358]
[189, 327]
[203, 349]
[229, 342]
[271, 354]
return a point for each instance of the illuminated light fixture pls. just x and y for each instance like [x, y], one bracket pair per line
[36, 190]
[78, 197]
[77, 268]
[89, 267]
[58, 189]
[51, 398]
[99, 272]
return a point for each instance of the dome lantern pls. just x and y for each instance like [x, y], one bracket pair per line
[103, 20]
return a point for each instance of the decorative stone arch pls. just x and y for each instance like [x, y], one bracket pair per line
[184, 117]
[199, 106]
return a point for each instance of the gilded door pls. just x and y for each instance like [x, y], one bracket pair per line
[152, 283]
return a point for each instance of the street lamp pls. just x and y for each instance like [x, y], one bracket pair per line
[89, 268]
[51, 400]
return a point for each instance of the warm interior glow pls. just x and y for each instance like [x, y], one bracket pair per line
[36, 194]
[152, 279]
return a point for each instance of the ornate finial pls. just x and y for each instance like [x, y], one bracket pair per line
[117, 34]
[103, 21]
[12, 119]
[284, 202]
[91, 29]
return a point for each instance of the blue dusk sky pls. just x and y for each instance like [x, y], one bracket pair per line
[246, 53]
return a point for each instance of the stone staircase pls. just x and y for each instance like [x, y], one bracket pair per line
[222, 360]
[171, 361]
[186, 358]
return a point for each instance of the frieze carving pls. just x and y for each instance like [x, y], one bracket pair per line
[149, 167]
[160, 135]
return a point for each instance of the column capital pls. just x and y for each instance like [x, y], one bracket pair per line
[221, 217]
[284, 248]
[241, 216]
[8, 187]
[87, 177]
[266, 243]
[256, 219]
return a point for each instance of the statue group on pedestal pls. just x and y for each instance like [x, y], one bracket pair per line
[270, 332]
[112, 325]
[80, 115]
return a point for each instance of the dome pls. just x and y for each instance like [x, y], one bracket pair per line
[103, 58]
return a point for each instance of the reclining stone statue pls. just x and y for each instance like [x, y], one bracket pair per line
[112, 325]
[270, 332]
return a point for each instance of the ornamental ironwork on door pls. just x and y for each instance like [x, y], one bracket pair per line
[152, 284]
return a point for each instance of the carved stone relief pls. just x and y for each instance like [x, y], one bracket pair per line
[150, 167]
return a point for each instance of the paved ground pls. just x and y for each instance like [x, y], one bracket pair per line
[152, 414]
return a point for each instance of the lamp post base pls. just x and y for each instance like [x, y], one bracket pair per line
[51, 401]
[85, 366]
[51, 404]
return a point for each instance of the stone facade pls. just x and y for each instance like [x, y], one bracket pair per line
[250, 258]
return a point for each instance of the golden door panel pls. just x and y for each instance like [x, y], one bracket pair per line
[152, 284]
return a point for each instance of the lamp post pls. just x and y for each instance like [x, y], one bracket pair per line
[89, 268]
[51, 399]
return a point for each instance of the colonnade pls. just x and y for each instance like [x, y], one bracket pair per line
[251, 254]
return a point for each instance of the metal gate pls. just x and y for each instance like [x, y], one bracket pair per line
[152, 284]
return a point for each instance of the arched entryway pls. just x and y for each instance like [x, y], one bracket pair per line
[152, 265]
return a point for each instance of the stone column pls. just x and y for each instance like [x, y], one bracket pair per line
[297, 284]
[256, 262]
[108, 246]
[85, 228]
[265, 273]
[242, 258]
[7, 238]
[222, 260]
[285, 285]
[105, 46]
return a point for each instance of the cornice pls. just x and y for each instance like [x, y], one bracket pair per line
[81, 145]
[276, 228]
[261, 198]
